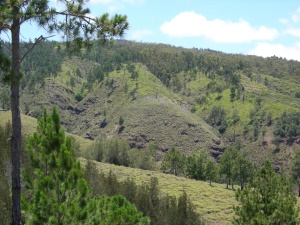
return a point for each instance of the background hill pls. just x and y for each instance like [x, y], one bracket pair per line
[184, 98]
[187, 98]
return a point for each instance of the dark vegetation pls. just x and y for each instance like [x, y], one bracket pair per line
[52, 176]
[288, 126]
[162, 209]
[118, 152]
[234, 166]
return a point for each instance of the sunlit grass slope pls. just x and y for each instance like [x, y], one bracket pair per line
[214, 203]
[29, 125]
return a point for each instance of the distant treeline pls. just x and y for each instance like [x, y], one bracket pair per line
[164, 61]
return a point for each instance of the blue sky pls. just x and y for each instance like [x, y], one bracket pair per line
[264, 27]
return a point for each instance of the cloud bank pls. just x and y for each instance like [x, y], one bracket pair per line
[267, 50]
[191, 24]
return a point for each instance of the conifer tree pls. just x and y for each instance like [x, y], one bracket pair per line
[269, 201]
[196, 163]
[58, 191]
[243, 170]
[174, 161]
[79, 30]
[211, 170]
[227, 164]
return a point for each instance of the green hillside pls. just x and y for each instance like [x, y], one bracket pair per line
[29, 125]
[214, 203]
[150, 110]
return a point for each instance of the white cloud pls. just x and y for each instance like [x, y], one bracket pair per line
[283, 21]
[279, 50]
[296, 16]
[293, 31]
[191, 24]
[138, 35]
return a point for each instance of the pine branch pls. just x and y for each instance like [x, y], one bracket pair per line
[40, 39]
[4, 27]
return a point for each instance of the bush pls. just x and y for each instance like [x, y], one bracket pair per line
[79, 96]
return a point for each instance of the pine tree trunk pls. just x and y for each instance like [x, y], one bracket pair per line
[16, 120]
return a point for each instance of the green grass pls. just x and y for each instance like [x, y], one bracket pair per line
[214, 203]
[29, 125]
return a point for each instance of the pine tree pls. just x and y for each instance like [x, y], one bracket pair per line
[58, 191]
[174, 161]
[227, 164]
[243, 170]
[211, 170]
[269, 201]
[79, 30]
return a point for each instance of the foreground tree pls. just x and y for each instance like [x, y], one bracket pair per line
[270, 201]
[79, 30]
[56, 191]
[55, 179]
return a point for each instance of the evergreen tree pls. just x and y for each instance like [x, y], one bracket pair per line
[232, 94]
[227, 164]
[116, 210]
[269, 201]
[79, 29]
[174, 162]
[186, 213]
[243, 170]
[211, 170]
[196, 165]
[58, 191]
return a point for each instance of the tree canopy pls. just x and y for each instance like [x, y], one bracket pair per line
[270, 200]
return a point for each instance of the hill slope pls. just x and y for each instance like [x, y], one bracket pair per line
[214, 203]
[153, 88]
[150, 112]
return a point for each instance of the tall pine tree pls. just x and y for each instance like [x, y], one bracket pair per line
[79, 29]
